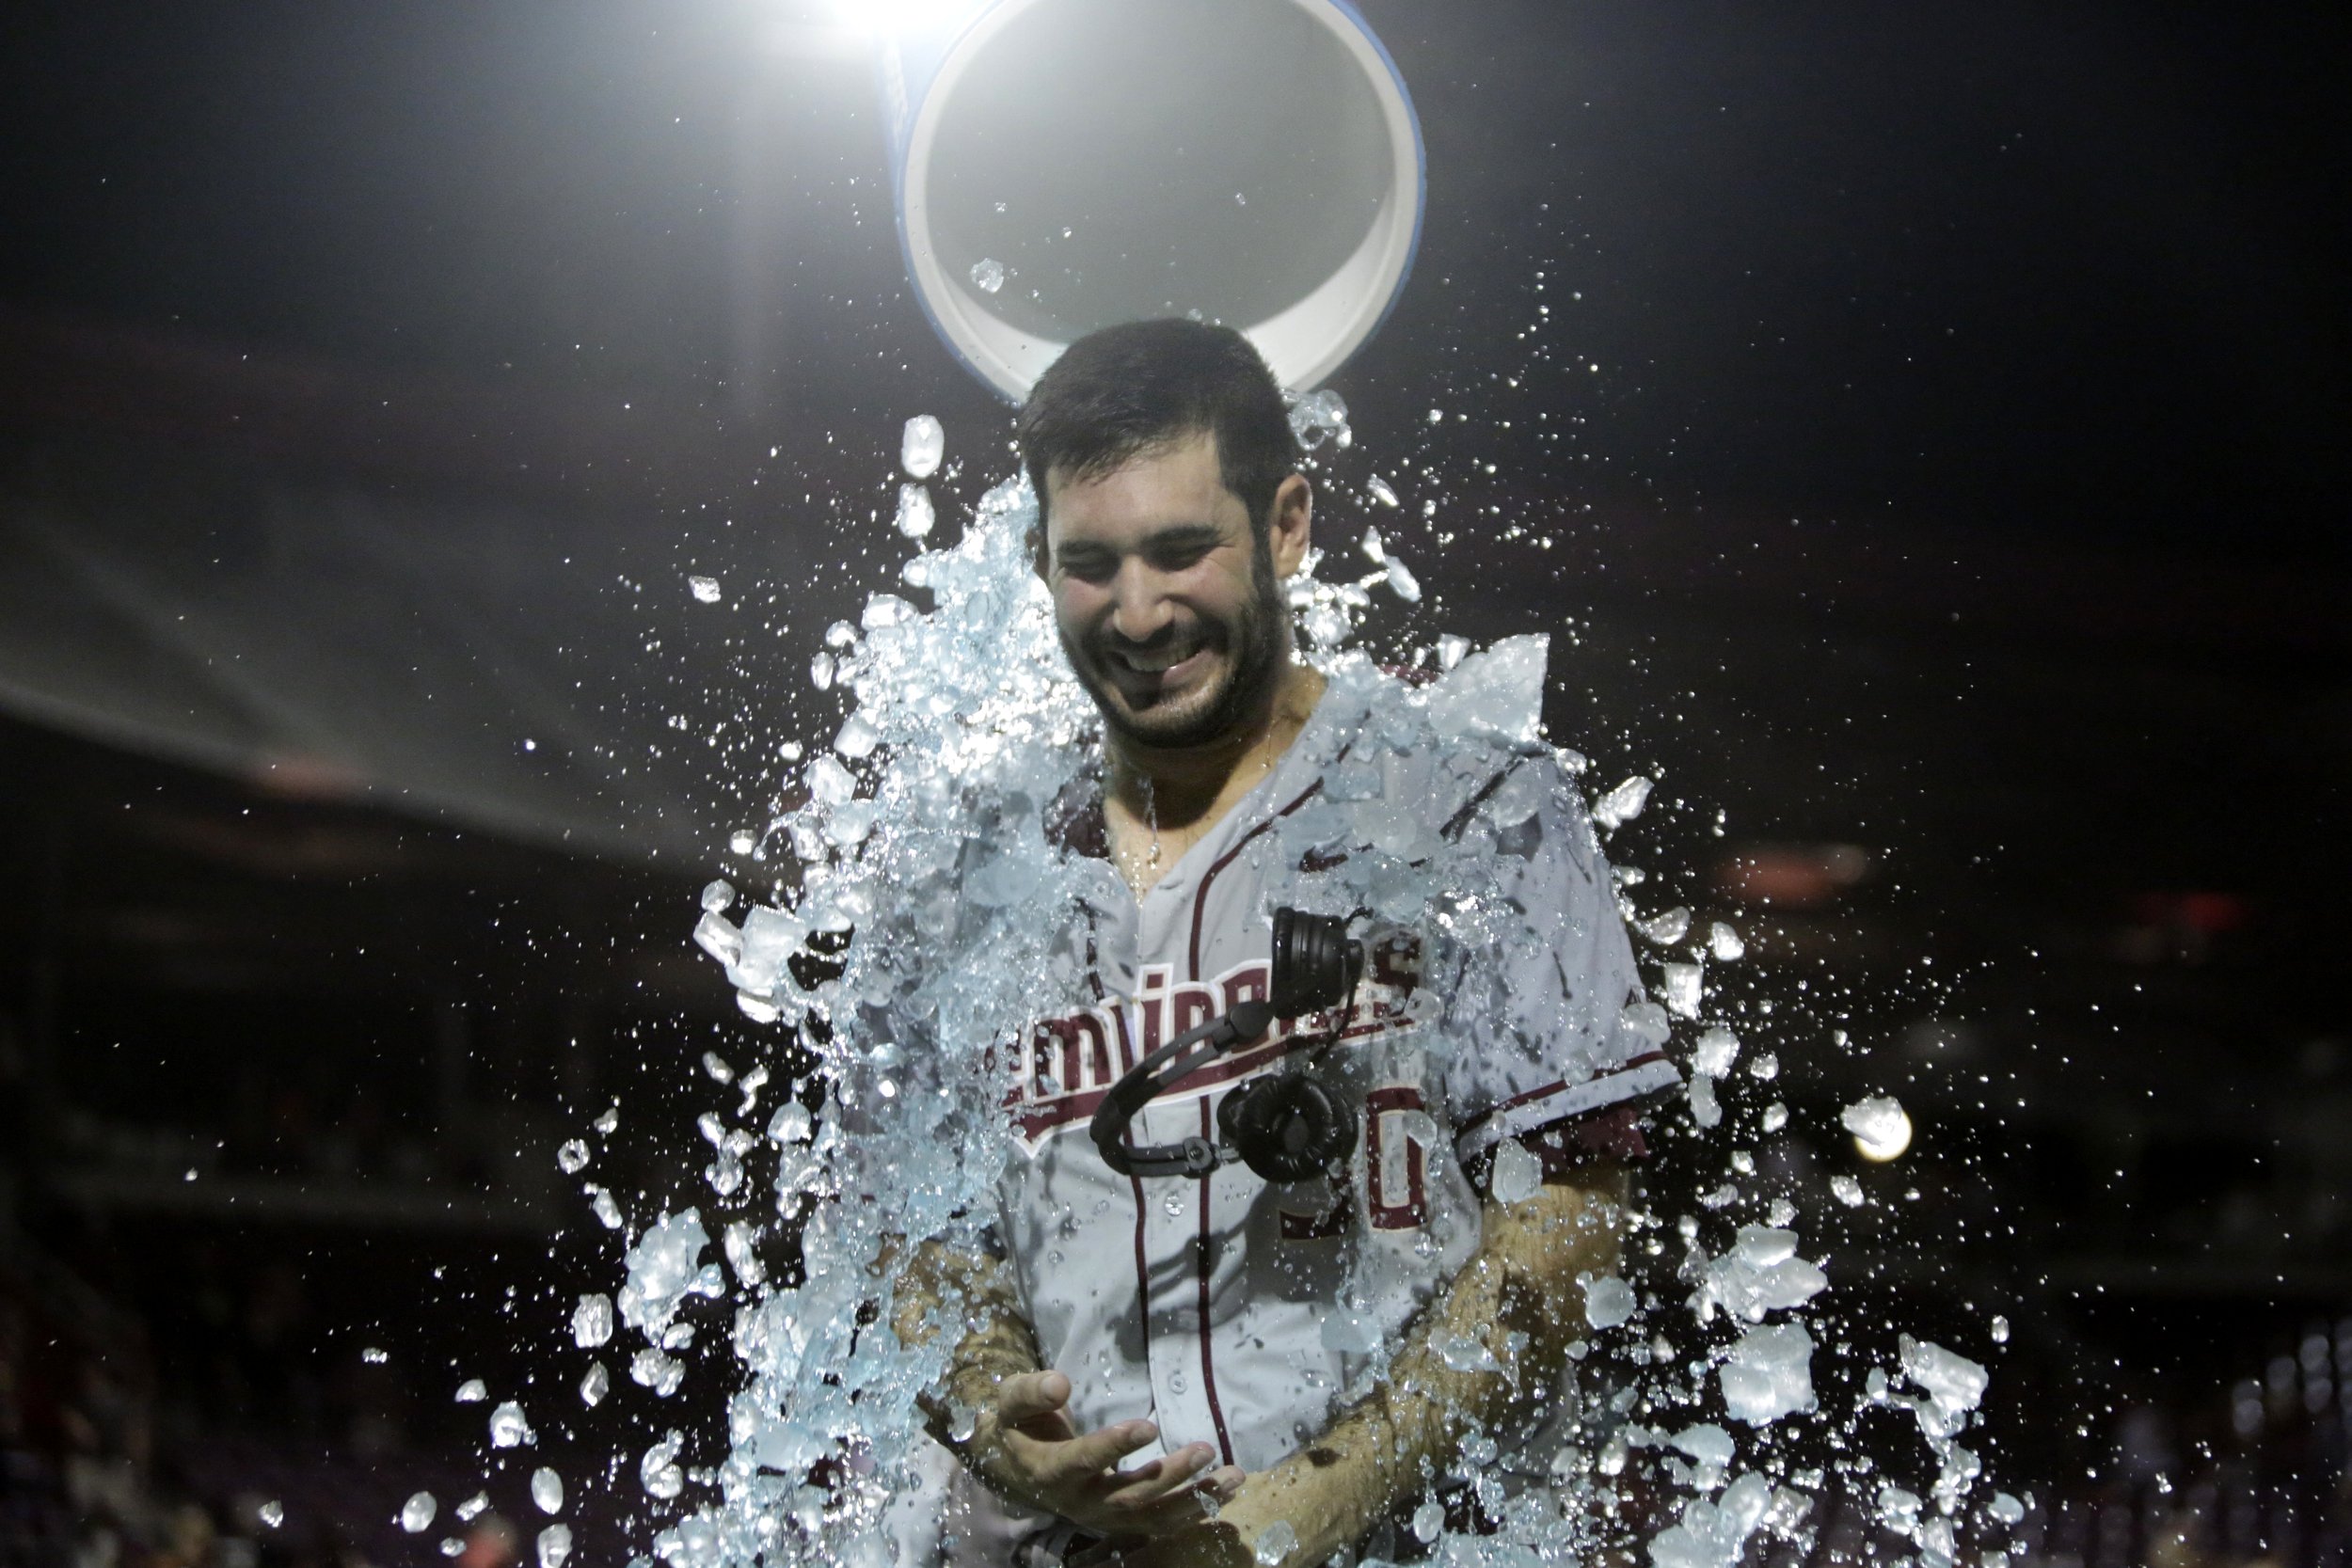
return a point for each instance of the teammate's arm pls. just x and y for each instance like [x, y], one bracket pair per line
[1523, 1280]
[1007, 1419]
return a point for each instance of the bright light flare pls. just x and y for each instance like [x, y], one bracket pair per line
[1886, 1142]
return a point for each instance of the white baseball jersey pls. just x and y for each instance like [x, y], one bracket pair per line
[1238, 1312]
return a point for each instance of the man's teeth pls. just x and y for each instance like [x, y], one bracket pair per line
[1153, 663]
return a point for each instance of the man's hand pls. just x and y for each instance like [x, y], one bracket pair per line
[1026, 1449]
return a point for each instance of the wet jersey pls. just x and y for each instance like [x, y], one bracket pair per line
[1501, 999]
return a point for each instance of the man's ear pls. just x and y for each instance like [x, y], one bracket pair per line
[1290, 524]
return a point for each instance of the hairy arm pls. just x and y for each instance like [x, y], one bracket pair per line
[1006, 1416]
[1521, 1281]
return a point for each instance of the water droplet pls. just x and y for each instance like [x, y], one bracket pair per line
[416, 1515]
[547, 1490]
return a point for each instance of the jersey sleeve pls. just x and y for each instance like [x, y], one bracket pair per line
[1541, 1038]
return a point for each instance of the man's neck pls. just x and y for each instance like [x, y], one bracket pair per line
[1192, 786]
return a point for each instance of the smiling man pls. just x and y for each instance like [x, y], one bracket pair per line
[1235, 1370]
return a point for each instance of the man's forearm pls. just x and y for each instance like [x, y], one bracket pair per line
[994, 1342]
[1518, 1298]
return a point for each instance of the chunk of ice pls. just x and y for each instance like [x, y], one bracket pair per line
[472, 1391]
[571, 1156]
[719, 896]
[1724, 943]
[1275, 1542]
[555, 1544]
[857, 738]
[471, 1506]
[987, 274]
[1846, 1190]
[1953, 1384]
[1705, 1110]
[916, 517]
[1705, 1443]
[1464, 1353]
[1664, 930]
[2005, 1510]
[659, 1472]
[1879, 1120]
[1429, 1521]
[595, 1384]
[1714, 1051]
[1624, 803]
[1682, 986]
[547, 1490]
[416, 1515]
[507, 1427]
[1608, 1302]
[921, 445]
[1775, 1116]
[1320, 417]
[1769, 1374]
[705, 590]
[1518, 1175]
[1381, 490]
[592, 1320]
[739, 1241]
[1760, 1273]
[607, 1211]
[272, 1514]
[664, 1267]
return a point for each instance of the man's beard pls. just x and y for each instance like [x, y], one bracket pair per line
[1254, 643]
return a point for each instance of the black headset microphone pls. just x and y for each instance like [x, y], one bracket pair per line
[1288, 1126]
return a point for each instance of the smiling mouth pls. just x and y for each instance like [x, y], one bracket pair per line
[1152, 661]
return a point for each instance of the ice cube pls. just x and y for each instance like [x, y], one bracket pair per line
[916, 517]
[1320, 417]
[1373, 546]
[987, 275]
[1775, 1116]
[592, 1320]
[1275, 1542]
[820, 672]
[2000, 1329]
[1682, 986]
[1401, 582]
[607, 1122]
[739, 1241]
[1953, 1384]
[1760, 1273]
[1451, 649]
[1706, 1109]
[547, 1490]
[719, 1070]
[1724, 943]
[471, 1506]
[1624, 803]
[507, 1427]
[657, 1471]
[1386, 496]
[1878, 1122]
[1465, 1353]
[607, 1211]
[272, 1514]
[555, 1544]
[571, 1156]
[829, 782]
[1517, 1173]
[595, 1384]
[1664, 930]
[1846, 1190]
[416, 1515]
[1769, 1374]
[1705, 1443]
[2005, 1510]
[1714, 1051]
[472, 1391]
[857, 738]
[705, 590]
[1608, 1302]
[921, 445]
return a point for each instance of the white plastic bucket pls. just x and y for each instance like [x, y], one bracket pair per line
[1257, 162]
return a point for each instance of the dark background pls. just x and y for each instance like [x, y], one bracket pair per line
[1922, 430]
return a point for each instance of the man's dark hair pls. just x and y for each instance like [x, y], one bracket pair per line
[1129, 389]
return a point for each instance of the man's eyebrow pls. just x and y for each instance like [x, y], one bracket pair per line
[1175, 536]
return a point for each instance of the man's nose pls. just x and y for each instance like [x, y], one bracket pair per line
[1139, 607]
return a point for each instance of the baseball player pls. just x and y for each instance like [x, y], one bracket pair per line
[1229, 1368]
